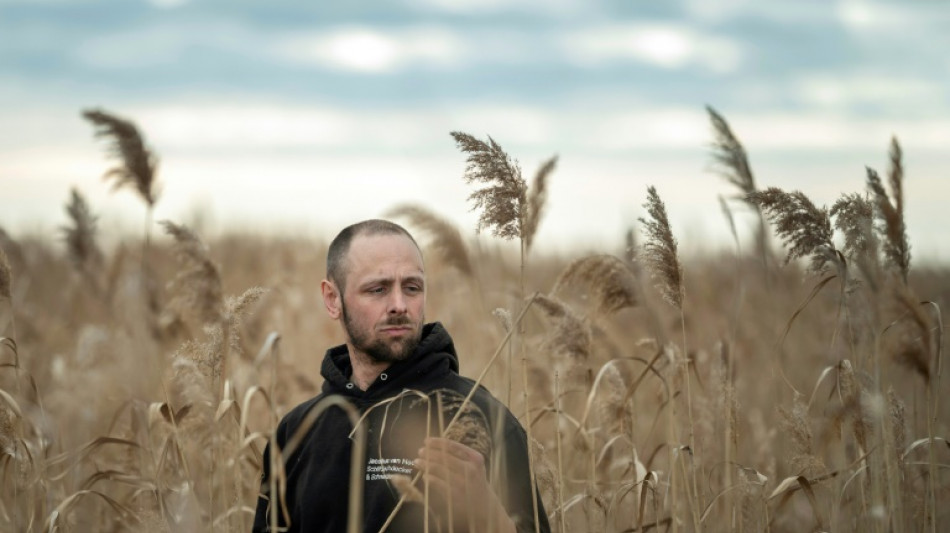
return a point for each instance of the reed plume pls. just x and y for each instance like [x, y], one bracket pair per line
[660, 250]
[137, 163]
[805, 229]
[537, 199]
[729, 156]
[80, 235]
[854, 218]
[606, 278]
[445, 237]
[471, 425]
[197, 283]
[503, 199]
[571, 335]
[891, 215]
[795, 423]
[731, 162]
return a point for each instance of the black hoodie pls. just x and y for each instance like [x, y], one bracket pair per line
[318, 472]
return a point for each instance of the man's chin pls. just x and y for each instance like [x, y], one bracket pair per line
[393, 352]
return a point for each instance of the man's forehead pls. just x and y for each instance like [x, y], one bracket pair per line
[373, 249]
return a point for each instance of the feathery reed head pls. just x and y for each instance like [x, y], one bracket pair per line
[471, 427]
[503, 199]
[571, 335]
[854, 218]
[137, 163]
[504, 317]
[446, 238]
[729, 156]
[198, 282]
[604, 277]
[537, 198]
[238, 307]
[80, 235]
[660, 250]
[805, 228]
[891, 215]
[795, 423]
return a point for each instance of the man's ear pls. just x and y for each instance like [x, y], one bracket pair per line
[331, 299]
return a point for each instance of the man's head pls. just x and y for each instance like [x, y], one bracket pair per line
[376, 285]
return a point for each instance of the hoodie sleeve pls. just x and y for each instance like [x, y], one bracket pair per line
[262, 514]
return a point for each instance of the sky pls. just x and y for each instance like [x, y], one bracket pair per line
[303, 117]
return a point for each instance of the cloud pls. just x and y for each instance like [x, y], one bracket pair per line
[667, 46]
[374, 50]
[538, 8]
[164, 44]
[167, 4]
[249, 126]
[838, 92]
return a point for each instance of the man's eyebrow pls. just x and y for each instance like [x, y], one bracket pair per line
[389, 280]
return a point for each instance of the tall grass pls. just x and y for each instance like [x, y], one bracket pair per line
[674, 405]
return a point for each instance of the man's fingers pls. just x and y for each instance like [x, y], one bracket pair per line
[449, 463]
[457, 449]
[449, 471]
[459, 457]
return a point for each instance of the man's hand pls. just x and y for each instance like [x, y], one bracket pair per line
[458, 485]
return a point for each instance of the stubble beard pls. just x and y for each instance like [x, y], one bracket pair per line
[377, 349]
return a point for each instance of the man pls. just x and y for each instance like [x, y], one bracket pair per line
[402, 375]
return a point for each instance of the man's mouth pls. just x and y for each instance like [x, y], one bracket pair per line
[397, 330]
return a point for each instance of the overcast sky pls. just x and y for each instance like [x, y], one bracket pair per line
[306, 116]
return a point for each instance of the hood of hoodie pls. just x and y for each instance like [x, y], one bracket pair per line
[434, 356]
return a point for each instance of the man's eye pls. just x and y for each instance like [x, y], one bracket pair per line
[377, 290]
[414, 288]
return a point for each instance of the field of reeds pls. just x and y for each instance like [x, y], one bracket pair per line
[792, 383]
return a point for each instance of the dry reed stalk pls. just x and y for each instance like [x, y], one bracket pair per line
[531, 456]
[8, 341]
[6, 302]
[560, 461]
[661, 254]
[6, 276]
[504, 316]
[503, 200]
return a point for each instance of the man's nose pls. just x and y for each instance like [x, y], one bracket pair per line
[397, 303]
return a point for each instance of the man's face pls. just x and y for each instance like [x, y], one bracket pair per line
[383, 305]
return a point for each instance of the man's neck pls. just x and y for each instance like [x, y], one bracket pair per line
[365, 370]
